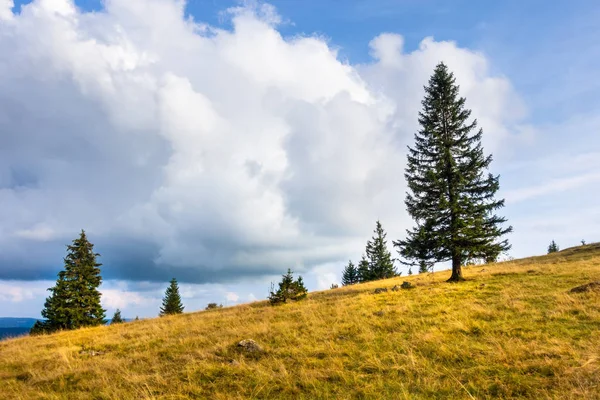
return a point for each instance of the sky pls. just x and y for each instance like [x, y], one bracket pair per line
[222, 142]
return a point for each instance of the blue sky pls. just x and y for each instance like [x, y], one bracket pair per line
[275, 137]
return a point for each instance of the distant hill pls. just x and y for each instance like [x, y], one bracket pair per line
[11, 322]
[512, 330]
[6, 333]
[12, 327]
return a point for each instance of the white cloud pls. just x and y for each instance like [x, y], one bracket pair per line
[552, 186]
[231, 296]
[6, 9]
[112, 298]
[236, 151]
[22, 291]
[15, 294]
[401, 76]
[326, 275]
[38, 232]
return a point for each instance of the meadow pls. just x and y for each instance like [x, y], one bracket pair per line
[512, 330]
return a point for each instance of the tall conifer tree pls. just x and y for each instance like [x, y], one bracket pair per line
[172, 300]
[451, 195]
[75, 299]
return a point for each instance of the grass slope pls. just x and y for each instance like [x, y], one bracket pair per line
[512, 330]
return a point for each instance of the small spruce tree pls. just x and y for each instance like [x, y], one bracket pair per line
[75, 299]
[364, 270]
[116, 319]
[423, 267]
[172, 300]
[288, 289]
[380, 258]
[553, 247]
[350, 274]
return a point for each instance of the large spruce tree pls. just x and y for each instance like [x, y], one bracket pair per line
[451, 194]
[75, 299]
[381, 265]
[172, 301]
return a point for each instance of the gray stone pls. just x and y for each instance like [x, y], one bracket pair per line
[380, 290]
[588, 287]
[250, 346]
[92, 353]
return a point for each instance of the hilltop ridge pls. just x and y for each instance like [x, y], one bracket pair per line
[512, 329]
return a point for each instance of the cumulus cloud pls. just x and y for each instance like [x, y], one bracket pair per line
[553, 186]
[401, 76]
[211, 155]
[112, 298]
[231, 296]
[17, 292]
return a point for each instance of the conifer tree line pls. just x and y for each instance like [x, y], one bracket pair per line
[74, 300]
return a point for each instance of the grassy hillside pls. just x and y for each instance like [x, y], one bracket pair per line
[512, 330]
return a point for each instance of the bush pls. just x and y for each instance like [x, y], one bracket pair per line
[288, 289]
[334, 286]
[212, 306]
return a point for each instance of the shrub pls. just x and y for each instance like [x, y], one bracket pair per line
[288, 289]
[212, 306]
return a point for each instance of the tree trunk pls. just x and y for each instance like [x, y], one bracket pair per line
[456, 270]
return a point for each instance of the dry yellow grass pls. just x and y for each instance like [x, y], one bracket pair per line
[512, 330]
